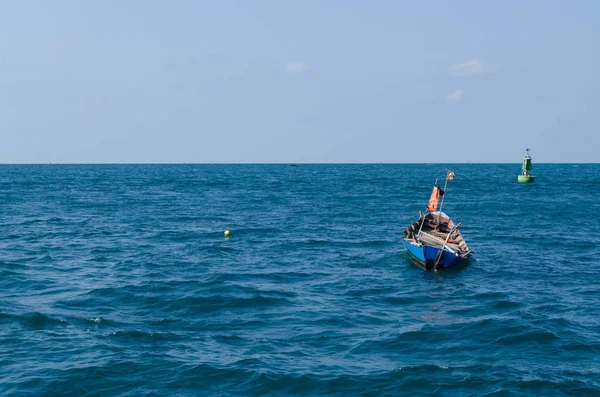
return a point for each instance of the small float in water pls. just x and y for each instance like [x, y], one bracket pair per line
[526, 176]
[433, 240]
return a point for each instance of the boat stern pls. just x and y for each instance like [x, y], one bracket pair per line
[426, 256]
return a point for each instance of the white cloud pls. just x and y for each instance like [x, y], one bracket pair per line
[470, 68]
[295, 67]
[455, 96]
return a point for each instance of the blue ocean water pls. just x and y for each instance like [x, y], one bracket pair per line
[118, 280]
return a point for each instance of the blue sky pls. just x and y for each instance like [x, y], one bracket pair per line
[304, 81]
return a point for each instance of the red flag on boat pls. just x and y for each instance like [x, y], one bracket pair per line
[434, 199]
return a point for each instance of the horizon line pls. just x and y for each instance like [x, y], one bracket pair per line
[292, 163]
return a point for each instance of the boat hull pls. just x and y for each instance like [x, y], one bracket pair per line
[426, 255]
[526, 178]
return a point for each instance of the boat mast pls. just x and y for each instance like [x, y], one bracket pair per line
[426, 212]
[444, 195]
[442, 203]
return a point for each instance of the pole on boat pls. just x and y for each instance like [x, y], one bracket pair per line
[439, 255]
[445, 186]
[422, 218]
[449, 176]
[427, 210]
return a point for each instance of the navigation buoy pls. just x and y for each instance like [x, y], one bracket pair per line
[227, 233]
[526, 176]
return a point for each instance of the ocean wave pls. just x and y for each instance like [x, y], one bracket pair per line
[118, 280]
[35, 320]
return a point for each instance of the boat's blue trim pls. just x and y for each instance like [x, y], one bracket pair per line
[448, 259]
[426, 256]
[415, 251]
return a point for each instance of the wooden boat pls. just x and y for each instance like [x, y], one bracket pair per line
[433, 240]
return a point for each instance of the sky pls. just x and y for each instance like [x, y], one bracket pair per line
[393, 81]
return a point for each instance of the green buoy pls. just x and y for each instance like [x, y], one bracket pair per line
[526, 176]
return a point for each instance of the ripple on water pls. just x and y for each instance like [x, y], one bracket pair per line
[118, 280]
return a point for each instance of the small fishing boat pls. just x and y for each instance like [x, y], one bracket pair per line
[433, 240]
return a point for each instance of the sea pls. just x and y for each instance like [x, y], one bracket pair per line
[118, 280]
